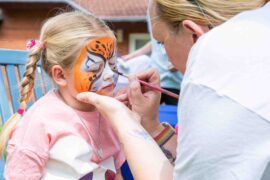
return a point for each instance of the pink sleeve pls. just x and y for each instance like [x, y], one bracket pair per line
[27, 150]
[23, 164]
[119, 159]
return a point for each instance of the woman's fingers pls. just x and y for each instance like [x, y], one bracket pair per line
[120, 91]
[151, 76]
[145, 101]
[135, 93]
[103, 103]
[88, 97]
[122, 97]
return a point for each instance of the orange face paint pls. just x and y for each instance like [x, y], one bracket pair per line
[91, 62]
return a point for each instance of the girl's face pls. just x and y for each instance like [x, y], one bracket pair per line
[93, 70]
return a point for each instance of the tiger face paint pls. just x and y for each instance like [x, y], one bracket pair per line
[94, 65]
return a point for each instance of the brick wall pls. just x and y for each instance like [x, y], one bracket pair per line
[23, 22]
[128, 28]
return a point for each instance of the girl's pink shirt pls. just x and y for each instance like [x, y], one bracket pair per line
[48, 122]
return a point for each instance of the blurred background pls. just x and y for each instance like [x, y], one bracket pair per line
[21, 20]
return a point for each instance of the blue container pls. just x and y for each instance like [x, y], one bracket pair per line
[168, 113]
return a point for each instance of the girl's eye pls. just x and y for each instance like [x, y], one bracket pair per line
[93, 67]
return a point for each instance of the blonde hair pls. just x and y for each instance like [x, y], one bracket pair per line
[63, 36]
[204, 12]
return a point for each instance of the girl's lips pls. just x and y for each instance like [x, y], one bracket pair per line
[106, 90]
[107, 86]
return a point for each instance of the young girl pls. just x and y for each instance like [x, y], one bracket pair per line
[60, 137]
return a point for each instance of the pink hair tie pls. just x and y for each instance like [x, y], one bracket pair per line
[42, 45]
[20, 111]
[33, 42]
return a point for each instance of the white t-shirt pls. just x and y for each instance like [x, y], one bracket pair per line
[224, 109]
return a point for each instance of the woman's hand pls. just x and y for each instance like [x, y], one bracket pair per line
[110, 108]
[121, 95]
[145, 101]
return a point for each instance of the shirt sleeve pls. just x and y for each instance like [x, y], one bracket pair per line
[27, 150]
[23, 164]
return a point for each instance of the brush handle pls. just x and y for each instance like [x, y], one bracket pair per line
[159, 89]
[152, 86]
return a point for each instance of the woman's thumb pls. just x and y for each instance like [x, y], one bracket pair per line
[88, 97]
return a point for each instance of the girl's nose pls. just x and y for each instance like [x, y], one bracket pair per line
[108, 73]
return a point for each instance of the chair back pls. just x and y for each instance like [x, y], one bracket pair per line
[12, 63]
[12, 66]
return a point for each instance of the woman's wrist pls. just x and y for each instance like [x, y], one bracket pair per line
[155, 131]
[153, 127]
[165, 137]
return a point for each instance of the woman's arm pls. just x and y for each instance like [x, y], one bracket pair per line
[145, 102]
[145, 158]
[167, 140]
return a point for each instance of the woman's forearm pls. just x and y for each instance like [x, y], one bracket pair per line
[169, 144]
[144, 156]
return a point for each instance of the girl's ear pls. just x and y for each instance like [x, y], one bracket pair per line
[58, 75]
[194, 29]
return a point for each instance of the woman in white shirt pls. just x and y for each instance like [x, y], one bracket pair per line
[224, 109]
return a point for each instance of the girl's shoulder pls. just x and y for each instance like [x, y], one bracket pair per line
[48, 107]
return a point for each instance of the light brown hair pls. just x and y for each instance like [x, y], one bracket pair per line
[203, 12]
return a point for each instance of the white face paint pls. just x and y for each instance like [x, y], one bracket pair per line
[104, 75]
[107, 78]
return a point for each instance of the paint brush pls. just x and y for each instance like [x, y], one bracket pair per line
[152, 86]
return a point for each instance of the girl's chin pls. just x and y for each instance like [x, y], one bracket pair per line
[108, 91]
